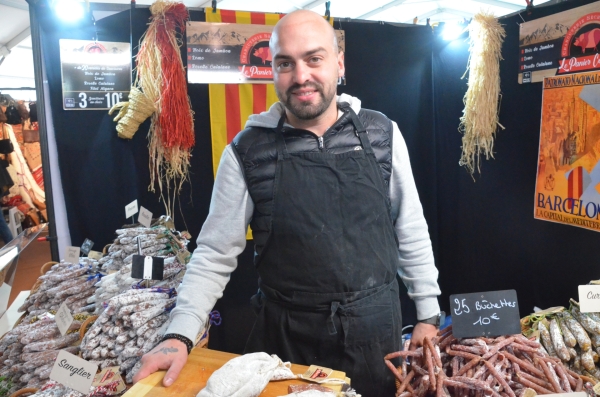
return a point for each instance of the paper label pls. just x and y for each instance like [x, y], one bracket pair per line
[72, 255]
[87, 246]
[145, 217]
[589, 298]
[316, 373]
[131, 209]
[73, 372]
[148, 268]
[597, 388]
[575, 394]
[63, 318]
[108, 376]
[96, 255]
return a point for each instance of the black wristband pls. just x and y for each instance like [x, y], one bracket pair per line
[188, 343]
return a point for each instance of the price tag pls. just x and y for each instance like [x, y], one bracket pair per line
[573, 394]
[490, 313]
[589, 298]
[145, 217]
[131, 209]
[147, 267]
[73, 372]
[96, 255]
[108, 376]
[63, 318]
[72, 255]
[87, 245]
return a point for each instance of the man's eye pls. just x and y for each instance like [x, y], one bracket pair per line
[284, 65]
[315, 59]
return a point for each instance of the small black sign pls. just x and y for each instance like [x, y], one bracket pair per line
[87, 245]
[147, 267]
[491, 313]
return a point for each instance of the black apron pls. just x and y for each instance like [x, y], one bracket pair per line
[328, 289]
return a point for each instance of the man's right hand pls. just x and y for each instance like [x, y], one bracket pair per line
[170, 355]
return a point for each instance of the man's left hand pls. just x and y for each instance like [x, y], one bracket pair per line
[421, 331]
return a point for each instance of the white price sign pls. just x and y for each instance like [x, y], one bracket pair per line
[145, 217]
[63, 318]
[72, 254]
[589, 298]
[131, 209]
[73, 372]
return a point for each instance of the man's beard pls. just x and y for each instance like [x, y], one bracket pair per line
[307, 110]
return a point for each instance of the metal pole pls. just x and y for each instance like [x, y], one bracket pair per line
[41, 108]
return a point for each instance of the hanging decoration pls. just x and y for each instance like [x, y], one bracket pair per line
[160, 89]
[480, 116]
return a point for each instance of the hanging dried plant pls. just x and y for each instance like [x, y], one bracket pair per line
[480, 116]
[162, 78]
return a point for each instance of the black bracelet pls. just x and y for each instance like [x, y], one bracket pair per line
[181, 338]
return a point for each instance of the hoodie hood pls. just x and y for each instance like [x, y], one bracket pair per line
[270, 118]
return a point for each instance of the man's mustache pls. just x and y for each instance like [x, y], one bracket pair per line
[300, 86]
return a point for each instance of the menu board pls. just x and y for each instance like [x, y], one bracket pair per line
[95, 74]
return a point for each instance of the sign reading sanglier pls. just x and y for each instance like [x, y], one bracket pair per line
[231, 53]
[95, 74]
[73, 372]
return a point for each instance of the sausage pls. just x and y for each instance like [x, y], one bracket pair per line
[568, 337]
[558, 342]
[578, 332]
[546, 339]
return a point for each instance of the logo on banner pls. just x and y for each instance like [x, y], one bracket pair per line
[256, 57]
[581, 45]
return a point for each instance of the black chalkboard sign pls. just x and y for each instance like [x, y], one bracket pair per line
[492, 313]
[147, 267]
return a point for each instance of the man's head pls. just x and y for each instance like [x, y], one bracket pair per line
[306, 64]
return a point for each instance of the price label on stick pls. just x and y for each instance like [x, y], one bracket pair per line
[63, 318]
[72, 255]
[589, 298]
[131, 209]
[145, 217]
[147, 267]
[87, 246]
[73, 372]
[490, 313]
[96, 255]
[110, 375]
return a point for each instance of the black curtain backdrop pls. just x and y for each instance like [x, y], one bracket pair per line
[488, 238]
[483, 232]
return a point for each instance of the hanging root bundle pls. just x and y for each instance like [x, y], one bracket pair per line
[132, 113]
[162, 82]
[480, 116]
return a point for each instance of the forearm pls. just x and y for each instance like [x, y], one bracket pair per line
[221, 240]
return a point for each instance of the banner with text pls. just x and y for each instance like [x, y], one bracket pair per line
[568, 177]
[231, 53]
[95, 74]
[566, 42]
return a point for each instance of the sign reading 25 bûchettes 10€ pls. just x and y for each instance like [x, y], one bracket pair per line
[231, 53]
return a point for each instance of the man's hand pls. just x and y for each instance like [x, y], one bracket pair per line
[421, 331]
[170, 355]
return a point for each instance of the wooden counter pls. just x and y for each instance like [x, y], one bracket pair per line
[200, 365]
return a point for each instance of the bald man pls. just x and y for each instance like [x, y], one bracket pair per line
[328, 191]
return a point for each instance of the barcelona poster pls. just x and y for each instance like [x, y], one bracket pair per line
[568, 175]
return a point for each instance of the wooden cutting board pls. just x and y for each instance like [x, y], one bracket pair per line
[200, 365]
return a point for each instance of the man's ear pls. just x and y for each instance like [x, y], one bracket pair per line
[341, 66]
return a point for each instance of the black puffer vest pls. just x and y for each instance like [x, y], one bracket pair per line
[257, 152]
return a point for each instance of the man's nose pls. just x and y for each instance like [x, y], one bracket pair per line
[301, 73]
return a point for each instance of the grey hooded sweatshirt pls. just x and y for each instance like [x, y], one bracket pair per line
[223, 235]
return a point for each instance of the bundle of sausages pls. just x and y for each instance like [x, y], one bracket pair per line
[574, 338]
[503, 366]
[29, 350]
[64, 282]
[54, 389]
[132, 323]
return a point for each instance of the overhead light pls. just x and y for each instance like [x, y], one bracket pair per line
[452, 31]
[69, 10]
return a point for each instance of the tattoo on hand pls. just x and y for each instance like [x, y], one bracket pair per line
[167, 350]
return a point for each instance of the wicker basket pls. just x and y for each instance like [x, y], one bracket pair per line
[23, 392]
[47, 266]
[83, 329]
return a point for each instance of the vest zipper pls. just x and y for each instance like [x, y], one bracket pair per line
[321, 144]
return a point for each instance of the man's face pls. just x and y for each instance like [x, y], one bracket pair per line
[306, 68]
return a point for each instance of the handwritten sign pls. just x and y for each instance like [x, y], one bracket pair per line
[589, 298]
[73, 372]
[145, 217]
[63, 318]
[147, 267]
[96, 255]
[131, 209]
[108, 376]
[87, 246]
[491, 313]
[72, 255]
